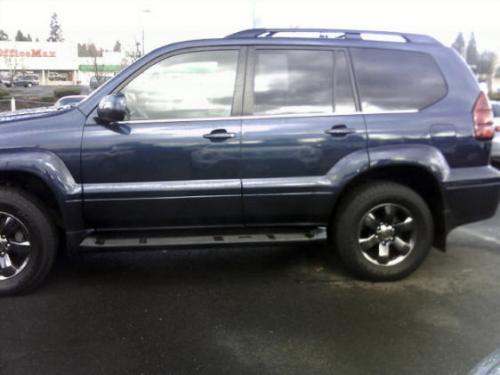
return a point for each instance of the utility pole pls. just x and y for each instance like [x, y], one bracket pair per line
[143, 11]
[143, 40]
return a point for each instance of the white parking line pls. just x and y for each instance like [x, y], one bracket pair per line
[476, 234]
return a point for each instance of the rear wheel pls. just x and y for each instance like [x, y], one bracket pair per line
[28, 242]
[383, 231]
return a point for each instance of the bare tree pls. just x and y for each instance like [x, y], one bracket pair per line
[96, 54]
[14, 65]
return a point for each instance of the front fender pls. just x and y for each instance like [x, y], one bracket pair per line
[53, 172]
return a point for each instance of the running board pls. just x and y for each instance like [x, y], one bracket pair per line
[103, 242]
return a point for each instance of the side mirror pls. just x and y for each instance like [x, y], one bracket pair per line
[112, 108]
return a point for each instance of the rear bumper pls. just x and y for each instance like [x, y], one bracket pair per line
[471, 194]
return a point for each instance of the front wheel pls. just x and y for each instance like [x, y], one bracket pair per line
[383, 231]
[28, 241]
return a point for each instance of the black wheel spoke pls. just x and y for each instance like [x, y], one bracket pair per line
[8, 226]
[405, 226]
[371, 221]
[7, 268]
[383, 250]
[21, 249]
[402, 246]
[368, 243]
[389, 212]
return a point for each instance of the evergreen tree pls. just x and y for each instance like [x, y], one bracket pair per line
[459, 44]
[55, 30]
[3, 35]
[117, 47]
[20, 37]
[472, 54]
[93, 51]
[82, 50]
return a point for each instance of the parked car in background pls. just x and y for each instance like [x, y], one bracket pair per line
[379, 142]
[26, 80]
[495, 153]
[496, 111]
[7, 82]
[69, 100]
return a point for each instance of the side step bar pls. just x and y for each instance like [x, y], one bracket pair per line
[103, 242]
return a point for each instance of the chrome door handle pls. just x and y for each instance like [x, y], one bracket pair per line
[219, 135]
[340, 131]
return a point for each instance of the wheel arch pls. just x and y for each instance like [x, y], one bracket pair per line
[44, 175]
[36, 186]
[414, 176]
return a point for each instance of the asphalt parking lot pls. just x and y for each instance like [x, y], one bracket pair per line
[257, 311]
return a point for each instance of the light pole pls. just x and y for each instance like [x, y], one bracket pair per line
[145, 11]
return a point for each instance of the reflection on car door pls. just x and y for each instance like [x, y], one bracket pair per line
[175, 161]
[302, 119]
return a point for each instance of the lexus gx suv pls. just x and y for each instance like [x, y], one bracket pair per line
[377, 144]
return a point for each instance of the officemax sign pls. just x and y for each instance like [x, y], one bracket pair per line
[38, 55]
[33, 52]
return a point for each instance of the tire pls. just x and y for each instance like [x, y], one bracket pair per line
[28, 217]
[383, 231]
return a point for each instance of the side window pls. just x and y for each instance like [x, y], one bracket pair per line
[301, 82]
[396, 80]
[190, 85]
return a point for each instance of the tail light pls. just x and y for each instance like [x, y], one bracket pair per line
[483, 118]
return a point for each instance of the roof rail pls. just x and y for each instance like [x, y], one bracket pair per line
[342, 34]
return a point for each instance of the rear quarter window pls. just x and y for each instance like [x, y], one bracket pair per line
[391, 80]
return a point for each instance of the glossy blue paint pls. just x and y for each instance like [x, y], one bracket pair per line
[46, 143]
[161, 174]
[277, 170]
[286, 162]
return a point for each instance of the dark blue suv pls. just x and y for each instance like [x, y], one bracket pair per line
[377, 142]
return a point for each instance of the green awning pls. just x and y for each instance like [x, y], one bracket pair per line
[100, 68]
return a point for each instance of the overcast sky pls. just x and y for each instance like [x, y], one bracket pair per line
[104, 22]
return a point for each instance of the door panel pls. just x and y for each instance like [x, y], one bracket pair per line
[284, 162]
[297, 133]
[161, 174]
[175, 160]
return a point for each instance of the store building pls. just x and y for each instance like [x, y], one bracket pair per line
[56, 63]
[106, 65]
[53, 63]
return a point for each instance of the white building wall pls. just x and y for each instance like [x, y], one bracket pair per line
[40, 58]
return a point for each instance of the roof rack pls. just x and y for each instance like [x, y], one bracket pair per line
[339, 34]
